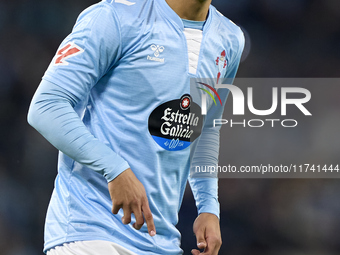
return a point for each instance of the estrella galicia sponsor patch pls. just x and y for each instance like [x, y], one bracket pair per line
[175, 124]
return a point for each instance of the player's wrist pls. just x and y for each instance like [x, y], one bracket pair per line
[113, 173]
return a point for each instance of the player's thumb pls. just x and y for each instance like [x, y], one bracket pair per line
[201, 243]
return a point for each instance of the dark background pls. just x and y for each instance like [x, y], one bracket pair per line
[291, 38]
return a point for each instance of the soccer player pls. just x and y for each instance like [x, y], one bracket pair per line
[116, 102]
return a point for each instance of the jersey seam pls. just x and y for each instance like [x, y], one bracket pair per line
[120, 34]
[68, 200]
[92, 21]
[164, 14]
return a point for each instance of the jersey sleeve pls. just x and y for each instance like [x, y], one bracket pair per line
[88, 52]
[205, 154]
[82, 59]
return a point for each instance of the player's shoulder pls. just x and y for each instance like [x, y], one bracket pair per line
[128, 10]
[125, 16]
[125, 11]
[227, 27]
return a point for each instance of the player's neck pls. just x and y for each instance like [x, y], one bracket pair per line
[190, 9]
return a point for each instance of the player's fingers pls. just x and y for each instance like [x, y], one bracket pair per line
[149, 219]
[139, 218]
[115, 208]
[213, 246]
[200, 237]
[126, 219]
[208, 251]
[195, 252]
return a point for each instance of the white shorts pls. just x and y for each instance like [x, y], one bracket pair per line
[90, 248]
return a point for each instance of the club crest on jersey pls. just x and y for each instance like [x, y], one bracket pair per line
[66, 52]
[175, 124]
[222, 63]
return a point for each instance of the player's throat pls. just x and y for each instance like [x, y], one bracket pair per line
[196, 10]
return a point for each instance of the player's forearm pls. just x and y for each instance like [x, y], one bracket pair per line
[205, 154]
[203, 183]
[51, 114]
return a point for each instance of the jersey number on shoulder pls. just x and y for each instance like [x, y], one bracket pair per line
[68, 51]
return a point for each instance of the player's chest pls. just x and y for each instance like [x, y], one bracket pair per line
[177, 55]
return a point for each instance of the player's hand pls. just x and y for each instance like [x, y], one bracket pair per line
[128, 193]
[208, 234]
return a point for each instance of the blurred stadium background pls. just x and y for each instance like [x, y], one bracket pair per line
[292, 38]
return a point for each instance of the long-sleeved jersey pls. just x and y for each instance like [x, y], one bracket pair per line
[117, 95]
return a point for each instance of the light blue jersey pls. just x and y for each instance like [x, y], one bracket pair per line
[126, 69]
